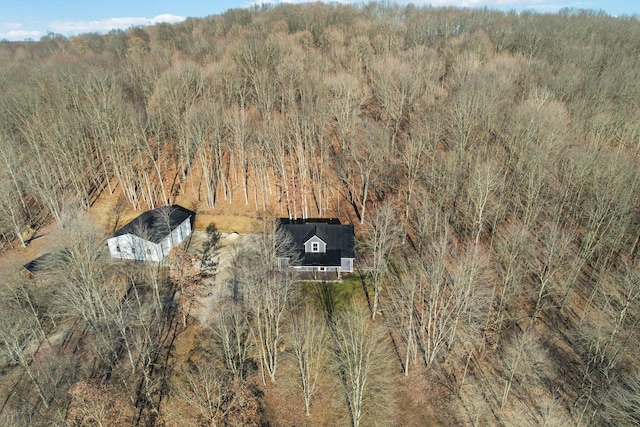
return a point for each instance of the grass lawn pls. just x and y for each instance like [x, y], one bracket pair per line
[333, 296]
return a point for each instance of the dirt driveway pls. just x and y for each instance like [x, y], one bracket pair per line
[219, 281]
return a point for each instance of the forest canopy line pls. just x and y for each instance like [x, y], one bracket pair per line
[491, 159]
[316, 89]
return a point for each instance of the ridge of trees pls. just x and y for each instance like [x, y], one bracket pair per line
[491, 158]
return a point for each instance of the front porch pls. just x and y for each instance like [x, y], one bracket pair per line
[318, 276]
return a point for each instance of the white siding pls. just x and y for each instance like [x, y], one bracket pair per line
[165, 247]
[315, 268]
[181, 232]
[283, 263]
[346, 264]
[129, 246]
[175, 236]
[151, 251]
[322, 246]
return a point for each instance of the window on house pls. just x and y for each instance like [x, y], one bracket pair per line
[315, 247]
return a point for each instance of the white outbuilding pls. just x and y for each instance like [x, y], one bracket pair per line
[151, 235]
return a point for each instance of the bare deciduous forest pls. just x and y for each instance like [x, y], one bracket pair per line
[490, 161]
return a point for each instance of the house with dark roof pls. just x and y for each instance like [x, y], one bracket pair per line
[151, 235]
[319, 244]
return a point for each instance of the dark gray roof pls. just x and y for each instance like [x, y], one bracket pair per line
[316, 231]
[156, 224]
[41, 263]
[338, 237]
[330, 258]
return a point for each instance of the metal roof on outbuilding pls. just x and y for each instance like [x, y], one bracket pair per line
[39, 264]
[156, 224]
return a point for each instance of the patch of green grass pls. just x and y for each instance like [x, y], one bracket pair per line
[331, 297]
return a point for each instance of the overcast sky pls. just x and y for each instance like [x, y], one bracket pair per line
[31, 19]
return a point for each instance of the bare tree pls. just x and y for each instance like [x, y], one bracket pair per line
[187, 277]
[532, 181]
[437, 303]
[206, 390]
[205, 128]
[403, 297]
[555, 254]
[82, 285]
[207, 396]
[11, 160]
[237, 121]
[20, 342]
[98, 404]
[624, 298]
[276, 144]
[268, 295]
[29, 296]
[413, 153]
[525, 361]
[255, 59]
[361, 348]
[513, 247]
[485, 186]
[12, 215]
[382, 234]
[174, 93]
[621, 402]
[345, 98]
[551, 412]
[429, 220]
[147, 339]
[606, 338]
[358, 167]
[309, 339]
[232, 333]
[398, 84]
[452, 296]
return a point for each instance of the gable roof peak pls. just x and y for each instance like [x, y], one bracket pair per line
[316, 232]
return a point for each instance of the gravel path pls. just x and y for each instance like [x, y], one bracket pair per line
[218, 285]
